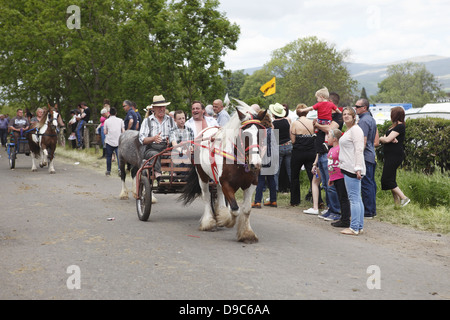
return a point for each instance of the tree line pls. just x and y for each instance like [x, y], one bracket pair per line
[136, 49]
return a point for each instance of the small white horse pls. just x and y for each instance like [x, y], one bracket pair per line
[230, 156]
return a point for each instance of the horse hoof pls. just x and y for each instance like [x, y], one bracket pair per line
[249, 240]
[123, 197]
[208, 226]
[248, 237]
[52, 172]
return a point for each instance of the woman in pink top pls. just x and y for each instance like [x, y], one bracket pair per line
[336, 178]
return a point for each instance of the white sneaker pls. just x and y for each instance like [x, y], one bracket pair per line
[311, 211]
[404, 202]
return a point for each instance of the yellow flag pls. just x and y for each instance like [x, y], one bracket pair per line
[268, 88]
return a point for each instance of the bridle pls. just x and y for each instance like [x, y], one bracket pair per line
[242, 153]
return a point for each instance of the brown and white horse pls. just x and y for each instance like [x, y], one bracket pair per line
[42, 138]
[229, 156]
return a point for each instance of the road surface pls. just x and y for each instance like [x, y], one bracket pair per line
[57, 242]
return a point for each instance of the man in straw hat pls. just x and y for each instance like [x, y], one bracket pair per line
[155, 130]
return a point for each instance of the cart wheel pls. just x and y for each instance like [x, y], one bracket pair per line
[144, 202]
[12, 158]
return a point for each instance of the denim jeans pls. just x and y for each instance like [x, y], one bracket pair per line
[330, 192]
[369, 190]
[260, 187]
[109, 152]
[79, 133]
[285, 153]
[353, 186]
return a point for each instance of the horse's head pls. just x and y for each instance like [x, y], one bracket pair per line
[52, 118]
[251, 135]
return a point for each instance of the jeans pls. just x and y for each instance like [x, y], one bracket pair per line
[285, 153]
[353, 186]
[260, 187]
[102, 136]
[109, 152]
[369, 190]
[330, 192]
[3, 135]
[79, 134]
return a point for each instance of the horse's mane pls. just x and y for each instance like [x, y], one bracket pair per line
[230, 130]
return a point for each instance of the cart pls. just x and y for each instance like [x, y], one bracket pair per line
[14, 148]
[172, 180]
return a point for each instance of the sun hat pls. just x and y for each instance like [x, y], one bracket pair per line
[277, 110]
[159, 101]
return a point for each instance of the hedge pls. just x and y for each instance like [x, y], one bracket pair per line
[427, 144]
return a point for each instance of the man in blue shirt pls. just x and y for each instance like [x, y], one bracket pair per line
[222, 115]
[368, 185]
[131, 119]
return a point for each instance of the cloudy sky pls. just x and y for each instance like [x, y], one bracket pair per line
[375, 31]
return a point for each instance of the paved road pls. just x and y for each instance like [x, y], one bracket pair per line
[49, 223]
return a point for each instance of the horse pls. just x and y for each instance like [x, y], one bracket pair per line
[230, 156]
[42, 138]
[130, 151]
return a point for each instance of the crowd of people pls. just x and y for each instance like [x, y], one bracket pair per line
[342, 163]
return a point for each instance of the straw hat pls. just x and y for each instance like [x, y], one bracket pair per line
[277, 110]
[159, 101]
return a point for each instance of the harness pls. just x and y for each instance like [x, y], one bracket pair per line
[240, 158]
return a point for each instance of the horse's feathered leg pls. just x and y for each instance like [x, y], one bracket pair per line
[33, 163]
[223, 215]
[207, 221]
[245, 232]
[51, 168]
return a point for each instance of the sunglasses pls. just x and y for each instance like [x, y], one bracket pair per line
[356, 106]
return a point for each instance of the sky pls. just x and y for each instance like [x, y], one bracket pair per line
[375, 31]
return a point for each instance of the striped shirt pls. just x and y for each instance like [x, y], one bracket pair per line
[151, 127]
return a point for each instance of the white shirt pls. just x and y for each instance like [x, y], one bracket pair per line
[210, 122]
[113, 129]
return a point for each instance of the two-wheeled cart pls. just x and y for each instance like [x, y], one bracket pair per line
[172, 180]
[13, 148]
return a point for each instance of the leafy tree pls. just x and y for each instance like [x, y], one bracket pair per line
[306, 65]
[234, 82]
[363, 94]
[408, 83]
[250, 92]
[122, 50]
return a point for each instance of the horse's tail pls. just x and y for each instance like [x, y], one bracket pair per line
[192, 188]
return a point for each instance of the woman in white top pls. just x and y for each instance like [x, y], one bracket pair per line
[351, 162]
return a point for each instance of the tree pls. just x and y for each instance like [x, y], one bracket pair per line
[363, 94]
[305, 66]
[122, 50]
[234, 81]
[408, 83]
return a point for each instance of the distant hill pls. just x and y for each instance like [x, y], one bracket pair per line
[369, 75]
